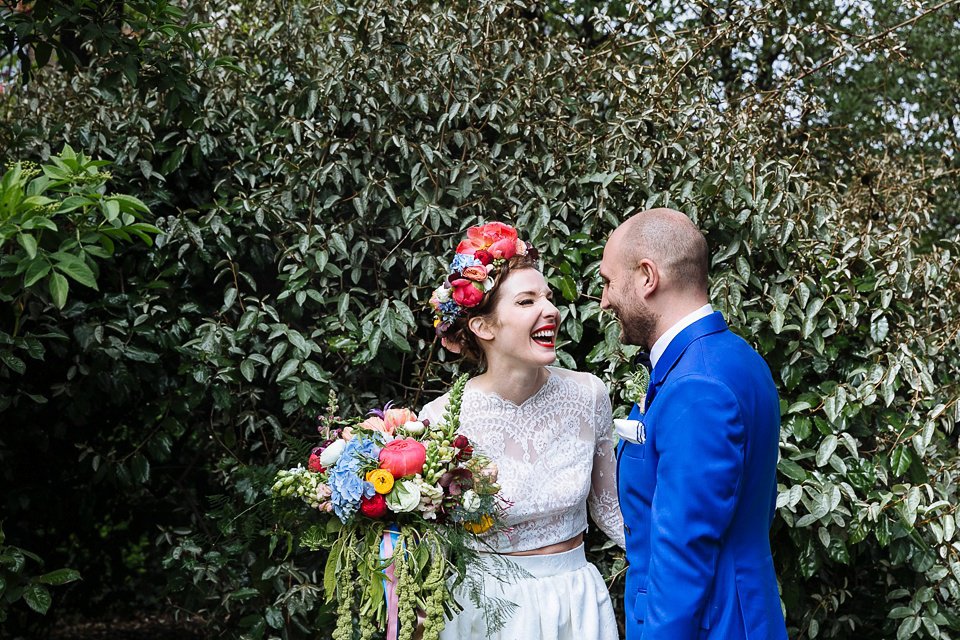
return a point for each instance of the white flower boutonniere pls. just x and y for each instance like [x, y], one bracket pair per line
[635, 388]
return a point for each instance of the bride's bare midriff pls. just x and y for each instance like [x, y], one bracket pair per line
[559, 547]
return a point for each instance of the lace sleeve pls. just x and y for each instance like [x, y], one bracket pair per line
[602, 501]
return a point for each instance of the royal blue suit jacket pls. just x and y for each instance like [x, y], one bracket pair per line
[698, 495]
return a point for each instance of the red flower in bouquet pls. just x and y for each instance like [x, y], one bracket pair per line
[403, 457]
[314, 464]
[465, 448]
[375, 507]
[456, 481]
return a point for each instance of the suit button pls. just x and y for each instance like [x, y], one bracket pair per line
[627, 529]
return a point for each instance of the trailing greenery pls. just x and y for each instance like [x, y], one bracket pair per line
[303, 204]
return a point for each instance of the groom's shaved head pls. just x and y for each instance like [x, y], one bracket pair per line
[672, 241]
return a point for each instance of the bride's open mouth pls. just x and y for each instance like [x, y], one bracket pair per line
[545, 336]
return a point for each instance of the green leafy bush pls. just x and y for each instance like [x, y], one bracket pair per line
[16, 581]
[303, 213]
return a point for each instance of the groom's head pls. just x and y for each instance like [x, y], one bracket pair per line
[654, 271]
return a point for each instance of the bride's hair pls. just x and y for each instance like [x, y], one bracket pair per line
[459, 332]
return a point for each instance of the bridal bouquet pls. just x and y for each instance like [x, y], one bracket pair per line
[393, 500]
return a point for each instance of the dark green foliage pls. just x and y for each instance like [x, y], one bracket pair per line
[303, 211]
[17, 581]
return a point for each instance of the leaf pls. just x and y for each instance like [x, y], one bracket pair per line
[130, 203]
[12, 361]
[330, 570]
[78, 270]
[111, 209]
[879, 329]
[243, 594]
[900, 461]
[792, 470]
[60, 576]
[29, 244]
[37, 270]
[314, 371]
[58, 290]
[274, 617]
[303, 392]
[38, 598]
[827, 447]
[288, 369]
[908, 627]
[74, 202]
[247, 369]
[140, 468]
[568, 288]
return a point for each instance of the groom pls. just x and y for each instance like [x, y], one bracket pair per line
[697, 467]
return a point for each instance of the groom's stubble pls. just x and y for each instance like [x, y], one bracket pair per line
[638, 324]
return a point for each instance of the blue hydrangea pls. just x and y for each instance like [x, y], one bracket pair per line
[346, 482]
[461, 261]
[449, 311]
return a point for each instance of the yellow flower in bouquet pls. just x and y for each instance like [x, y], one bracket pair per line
[382, 480]
[479, 527]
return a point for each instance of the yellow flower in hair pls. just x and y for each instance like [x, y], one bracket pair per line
[382, 480]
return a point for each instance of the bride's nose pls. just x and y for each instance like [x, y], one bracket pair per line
[550, 310]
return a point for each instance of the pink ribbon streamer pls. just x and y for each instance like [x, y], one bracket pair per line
[390, 584]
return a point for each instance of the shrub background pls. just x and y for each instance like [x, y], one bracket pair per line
[309, 165]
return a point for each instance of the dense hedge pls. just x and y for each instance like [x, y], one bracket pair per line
[304, 205]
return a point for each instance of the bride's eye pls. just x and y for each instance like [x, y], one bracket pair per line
[525, 301]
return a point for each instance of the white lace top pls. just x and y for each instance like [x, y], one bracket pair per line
[554, 454]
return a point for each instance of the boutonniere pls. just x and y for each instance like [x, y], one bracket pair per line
[635, 387]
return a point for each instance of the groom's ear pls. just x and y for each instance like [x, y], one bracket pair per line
[647, 277]
[480, 327]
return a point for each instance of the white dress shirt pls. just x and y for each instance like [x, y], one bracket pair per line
[664, 341]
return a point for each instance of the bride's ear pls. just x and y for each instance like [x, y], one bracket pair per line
[479, 326]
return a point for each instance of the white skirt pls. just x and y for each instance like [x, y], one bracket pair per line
[558, 596]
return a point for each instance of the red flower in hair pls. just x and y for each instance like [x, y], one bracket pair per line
[465, 293]
[499, 239]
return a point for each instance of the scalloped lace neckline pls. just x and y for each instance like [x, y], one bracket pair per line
[496, 396]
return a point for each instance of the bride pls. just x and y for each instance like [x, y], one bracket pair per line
[549, 432]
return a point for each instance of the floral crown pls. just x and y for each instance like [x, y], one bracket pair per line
[477, 259]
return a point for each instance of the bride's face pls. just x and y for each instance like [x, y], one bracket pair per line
[522, 327]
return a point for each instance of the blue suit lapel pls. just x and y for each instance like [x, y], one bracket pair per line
[714, 323]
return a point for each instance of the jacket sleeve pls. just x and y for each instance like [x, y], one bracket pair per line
[700, 442]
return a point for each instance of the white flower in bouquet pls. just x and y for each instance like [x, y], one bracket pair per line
[404, 497]
[470, 501]
[332, 453]
[413, 428]
[431, 496]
